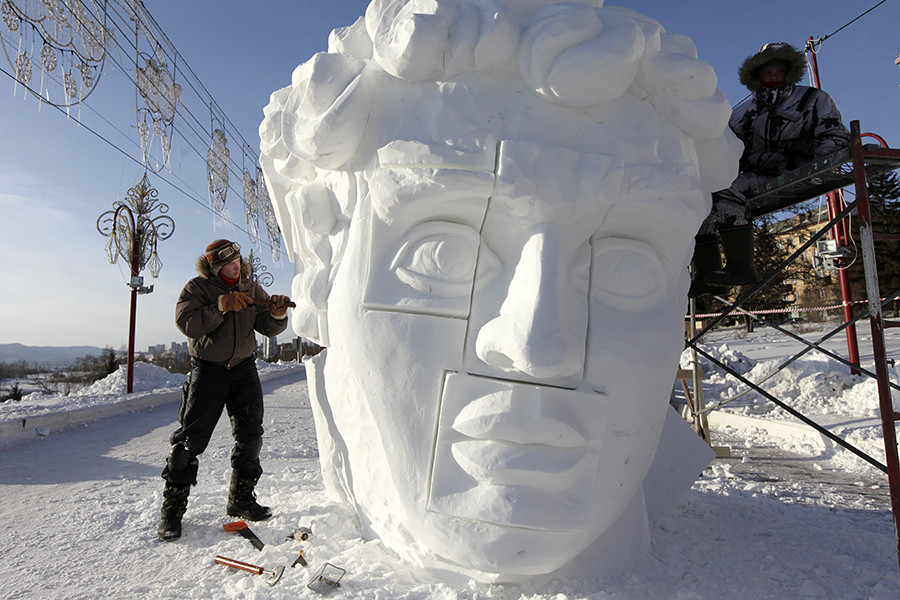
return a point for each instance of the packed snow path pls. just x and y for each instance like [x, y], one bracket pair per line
[81, 507]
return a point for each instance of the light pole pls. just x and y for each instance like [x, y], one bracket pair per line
[258, 271]
[133, 233]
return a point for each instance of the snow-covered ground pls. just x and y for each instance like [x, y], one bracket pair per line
[786, 516]
[815, 385]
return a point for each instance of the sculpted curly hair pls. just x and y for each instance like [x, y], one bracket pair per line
[613, 71]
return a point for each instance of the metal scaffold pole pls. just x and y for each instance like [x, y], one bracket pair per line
[885, 403]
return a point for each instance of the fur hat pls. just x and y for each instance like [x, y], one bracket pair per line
[221, 252]
[796, 62]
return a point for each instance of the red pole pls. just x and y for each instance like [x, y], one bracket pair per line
[840, 234]
[135, 268]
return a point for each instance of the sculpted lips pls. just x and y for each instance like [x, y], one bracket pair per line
[505, 448]
[517, 437]
[515, 415]
[513, 464]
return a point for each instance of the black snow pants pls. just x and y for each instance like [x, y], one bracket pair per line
[210, 389]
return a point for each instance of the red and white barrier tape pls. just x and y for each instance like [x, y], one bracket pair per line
[771, 311]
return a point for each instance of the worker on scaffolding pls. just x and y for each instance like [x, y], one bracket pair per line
[783, 126]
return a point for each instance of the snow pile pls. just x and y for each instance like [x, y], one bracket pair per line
[809, 385]
[819, 388]
[724, 354]
[147, 378]
[148, 381]
[805, 383]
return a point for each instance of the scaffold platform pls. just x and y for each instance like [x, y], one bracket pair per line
[819, 177]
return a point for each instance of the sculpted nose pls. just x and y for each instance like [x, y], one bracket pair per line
[542, 323]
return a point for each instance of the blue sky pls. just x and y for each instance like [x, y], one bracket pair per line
[56, 178]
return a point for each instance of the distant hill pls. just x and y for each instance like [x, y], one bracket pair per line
[49, 356]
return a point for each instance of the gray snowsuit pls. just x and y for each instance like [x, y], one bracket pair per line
[782, 128]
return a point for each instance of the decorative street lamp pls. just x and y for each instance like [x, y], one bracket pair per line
[258, 271]
[133, 234]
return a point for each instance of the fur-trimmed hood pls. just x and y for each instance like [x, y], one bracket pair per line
[203, 267]
[749, 75]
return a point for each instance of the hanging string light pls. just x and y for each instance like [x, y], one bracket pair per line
[217, 166]
[49, 35]
[57, 50]
[156, 115]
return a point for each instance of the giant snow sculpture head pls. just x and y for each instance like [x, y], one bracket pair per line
[491, 207]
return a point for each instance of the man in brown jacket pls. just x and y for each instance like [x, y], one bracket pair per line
[220, 311]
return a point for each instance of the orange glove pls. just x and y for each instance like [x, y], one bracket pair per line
[234, 301]
[278, 305]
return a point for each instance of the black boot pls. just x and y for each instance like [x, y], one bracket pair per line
[706, 260]
[242, 499]
[739, 270]
[175, 499]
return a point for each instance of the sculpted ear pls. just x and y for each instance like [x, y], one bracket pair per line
[684, 88]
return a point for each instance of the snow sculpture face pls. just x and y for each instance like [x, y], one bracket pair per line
[493, 247]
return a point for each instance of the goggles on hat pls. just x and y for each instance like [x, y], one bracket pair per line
[229, 251]
[774, 46]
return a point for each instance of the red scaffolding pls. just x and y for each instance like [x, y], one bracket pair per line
[849, 166]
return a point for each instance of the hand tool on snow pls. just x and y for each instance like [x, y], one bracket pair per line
[301, 535]
[328, 578]
[262, 302]
[300, 560]
[241, 528]
[274, 575]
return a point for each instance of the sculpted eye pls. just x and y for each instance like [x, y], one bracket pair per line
[626, 274]
[439, 259]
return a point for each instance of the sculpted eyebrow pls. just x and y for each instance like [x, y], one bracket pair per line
[447, 191]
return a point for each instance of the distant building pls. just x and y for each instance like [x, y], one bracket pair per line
[271, 348]
[823, 289]
[173, 348]
[287, 351]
